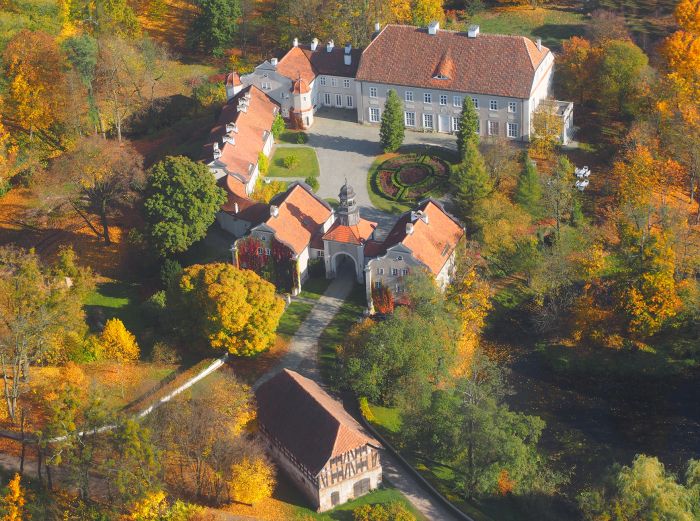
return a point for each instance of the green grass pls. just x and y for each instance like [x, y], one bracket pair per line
[315, 287]
[348, 315]
[298, 310]
[387, 419]
[120, 300]
[551, 24]
[344, 512]
[307, 165]
[290, 137]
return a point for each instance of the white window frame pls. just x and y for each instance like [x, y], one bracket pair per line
[408, 96]
[346, 83]
[260, 251]
[409, 118]
[399, 258]
[268, 251]
[327, 99]
[475, 101]
[374, 110]
[512, 107]
[338, 100]
[377, 285]
[427, 117]
[514, 128]
[394, 272]
[478, 127]
[443, 100]
[265, 85]
[322, 81]
[373, 92]
[427, 98]
[455, 123]
[490, 128]
[334, 82]
[320, 253]
[457, 101]
[349, 101]
[404, 272]
[493, 104]
[380, 271]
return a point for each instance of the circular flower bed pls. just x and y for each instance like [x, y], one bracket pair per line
[410, 177]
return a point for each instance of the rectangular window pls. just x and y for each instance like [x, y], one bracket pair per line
[513, 130]
[493, 104]
[327, 99]
[399, 289]
[456, 101]
[394, 272]
[320, 254]
[512, 106]
[478, 127]
[428, 121]
[268, 251]
[404, 272]
[443, 99]
[346, 83]
[427, 97]
[373, 92]
[408, 96]
[493, 128]
[322, 80]
[455, 124]
[378, 285]
[338, 100]
[266, 85]
[475, 101]
[334, 82]
[374, 115]
[409, 119]
[380, 271]
[260, 251]
[348, 101]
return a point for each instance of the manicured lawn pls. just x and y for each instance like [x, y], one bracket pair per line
[551, 24]
[298, 310]
[291, 137]
[116, 299]
[315, 287]
[306, 166]
[378, 201]
[387, 419]
[344, 512]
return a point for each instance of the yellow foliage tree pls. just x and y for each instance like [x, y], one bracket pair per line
[426, 11]
[682, 53]
[251, 481]
[546, 130]
[14, 501]
[117, 343]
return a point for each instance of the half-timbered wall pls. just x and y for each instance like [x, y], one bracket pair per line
[348, 476]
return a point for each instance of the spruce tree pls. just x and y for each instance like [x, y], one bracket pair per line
[528, 191]
[471, 181]
[468, 124]
[391, 132]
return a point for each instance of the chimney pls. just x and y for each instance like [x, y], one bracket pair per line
[377, 27]
[409, 228]
[539, 44]
[235, 207]
[273, 61]
[314, 44]
[473, 31]
[217, 151]
[348, 48]
[274, 211]
[347, 58]
[424, 217]
[329, 46]
[295, 43]
[433, 27]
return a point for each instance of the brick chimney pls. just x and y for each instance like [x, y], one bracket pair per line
[314, 44]
[329, 46]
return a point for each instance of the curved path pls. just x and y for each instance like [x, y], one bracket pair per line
[303, 358]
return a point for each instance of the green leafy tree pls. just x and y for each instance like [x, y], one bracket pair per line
[182, 199]
[278, 126]
[392, 131]
[644, 490]
[471, 182]
[468, 124]
[528, 191]
[215, 25]
[231, 309]
[621, 76]
[559, 191]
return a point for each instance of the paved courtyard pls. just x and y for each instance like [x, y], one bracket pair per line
[347, 149]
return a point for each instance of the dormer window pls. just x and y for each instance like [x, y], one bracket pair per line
[441, 77]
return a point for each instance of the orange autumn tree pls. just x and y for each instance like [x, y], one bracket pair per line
[252, 480]
[14, 501]
[118, 343]
[682, 50]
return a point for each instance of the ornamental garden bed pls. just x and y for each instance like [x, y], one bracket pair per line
[408, 178]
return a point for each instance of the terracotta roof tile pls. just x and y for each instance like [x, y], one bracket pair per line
[252, 125]
[433, 242]
[310, 424]
[488, 64]
[357, 234]
[248, 210]
[301, 215]
[295, 64]
[300, 86]
[303, 62]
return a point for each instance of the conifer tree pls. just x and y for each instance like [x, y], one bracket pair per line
[468, 124]
[528, 192]
[391, 132]
[471, 181]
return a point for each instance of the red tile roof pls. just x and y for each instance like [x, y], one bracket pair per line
[248, 210]
[295, 65]
[303, 62]
[300, 86]
[301, 215]
[253, 127]
[233, 79]
[357, 234]
[310, 424]
[433, 242]
[488, 64]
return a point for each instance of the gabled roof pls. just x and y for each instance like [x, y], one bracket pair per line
[301, 216]
[236, 199]
[431, 242]
[488, 64]
[300, 86]
[302, 62]
[253, 126]
[356, 234]
[310, 424]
